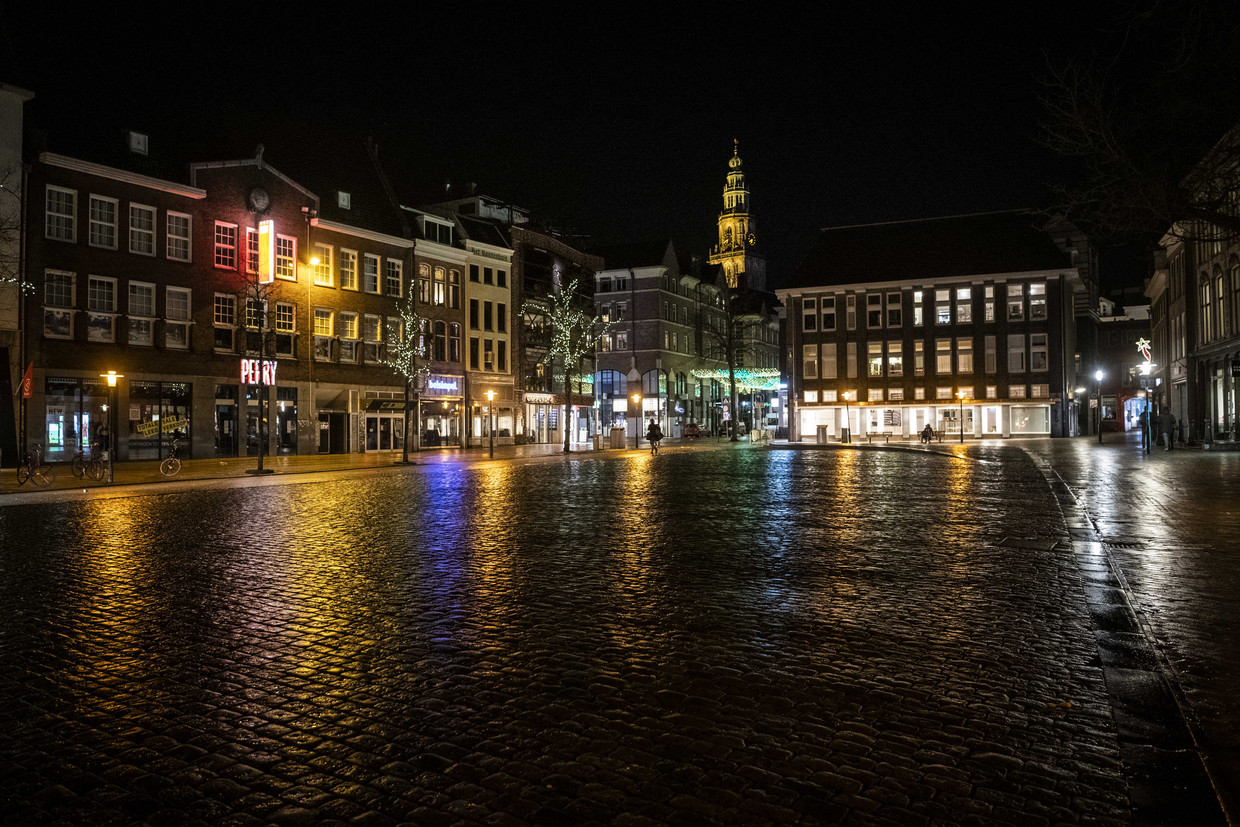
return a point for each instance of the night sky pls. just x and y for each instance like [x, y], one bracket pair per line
[616, 121]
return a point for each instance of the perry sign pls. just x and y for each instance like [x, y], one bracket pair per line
[256, 372]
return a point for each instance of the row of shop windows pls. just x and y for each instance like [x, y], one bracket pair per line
[1025, 419]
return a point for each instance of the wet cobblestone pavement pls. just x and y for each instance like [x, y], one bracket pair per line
[724, 636]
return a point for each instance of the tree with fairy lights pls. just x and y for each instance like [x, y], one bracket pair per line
[572, 333]
[406, 355]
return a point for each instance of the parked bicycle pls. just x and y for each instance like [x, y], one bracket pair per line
[33, 468]
[171, 465]
[91, 466]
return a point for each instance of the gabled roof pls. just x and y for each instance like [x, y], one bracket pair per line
[660, 253]
[937, 248]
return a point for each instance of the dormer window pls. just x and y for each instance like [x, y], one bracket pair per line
[139, 143]
[437, 232]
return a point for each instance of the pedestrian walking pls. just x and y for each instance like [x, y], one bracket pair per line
[1166, 427]
[653, 434]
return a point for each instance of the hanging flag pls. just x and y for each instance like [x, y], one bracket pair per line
[28, 382]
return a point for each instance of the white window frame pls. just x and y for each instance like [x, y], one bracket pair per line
[371, 275]
[175, 241]
[226, 321]
[141, 321]
[101, 233]
[100, 320]
[286, 258]
[1039, 346]
[811, 397]
[323, 270]
[142, 241]
[347, 326]
[1016, 361]
[809, 315]
[809, 361]
[175, 322]
[393, 277]
[60, 224]
[59, 309]
[348, 269]
[226, 253]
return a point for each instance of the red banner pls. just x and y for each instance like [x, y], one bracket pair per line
[28, 382]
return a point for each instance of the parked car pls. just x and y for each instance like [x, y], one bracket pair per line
[692, 431]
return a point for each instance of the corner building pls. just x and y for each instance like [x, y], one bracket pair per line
[962, 323]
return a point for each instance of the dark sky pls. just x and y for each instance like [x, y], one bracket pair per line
[616, 120]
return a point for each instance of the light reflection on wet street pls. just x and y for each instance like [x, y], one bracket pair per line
[733, 635]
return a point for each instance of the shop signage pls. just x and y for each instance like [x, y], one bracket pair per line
[541, 399]
[258, 372]
[266, 251]
[438, 385]
[161, 426]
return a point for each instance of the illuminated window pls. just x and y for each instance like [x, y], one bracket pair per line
[60, 223]
[992, 391]
[177, 317]
[347, 325]
[323, 334]
[180, 236]
[488, 354]
[141, 313]
[964, 305]
[989, 309]
[895, 358]
[964, 354]
[942, 356]
[919, 359]
[102, 226]
[226, 245]
[1016, 303]
[323, 270]
[918, 316]
[394, 270]
[1040, 391]
[286, 257]
[830, 396]
[424, 283]
[1037, 301]
[919, 393]
[370, 273]
[830, 360]
[942, 307]
[874, 395]
[1016, 391]
[875, 359]
[141, 230]
[943, 393]
[251, 250]
[348, 269]
[811, 397]
[896, 394]
[440, 295]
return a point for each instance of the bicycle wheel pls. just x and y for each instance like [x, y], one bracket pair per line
[170, 466]
[79, 466]
[43, 475]
[95, 469]
[23, 473]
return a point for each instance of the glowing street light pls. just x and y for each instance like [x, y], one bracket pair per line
[112, 376]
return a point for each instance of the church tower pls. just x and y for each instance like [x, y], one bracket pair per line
[737, 250]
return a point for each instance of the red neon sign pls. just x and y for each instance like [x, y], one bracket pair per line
[257, 372]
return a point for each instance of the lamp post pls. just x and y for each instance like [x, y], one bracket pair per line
[1098, 374]
[846, 431]
[491, 420]
[960, 394]
[112, 376]
[637, 421]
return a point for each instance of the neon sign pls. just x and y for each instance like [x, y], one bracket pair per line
[266, 251]
[257, 372]
[1143, 345]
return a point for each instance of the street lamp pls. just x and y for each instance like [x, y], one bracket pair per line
[1098, 374]
[112, 376]
[960, 396]
[846, 431]
[491, 420]
[637, 421]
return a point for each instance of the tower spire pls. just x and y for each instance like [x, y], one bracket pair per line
[736, 253]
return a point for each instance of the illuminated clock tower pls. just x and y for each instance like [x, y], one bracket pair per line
[737, 250]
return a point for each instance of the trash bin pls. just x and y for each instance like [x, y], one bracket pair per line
[617, 438]
[822, 435]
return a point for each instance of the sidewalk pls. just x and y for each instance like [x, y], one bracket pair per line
[215, 468]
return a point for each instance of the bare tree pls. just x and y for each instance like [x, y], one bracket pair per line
[570, 332]
[1142, 118]
[729, 335]
[407, 357]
